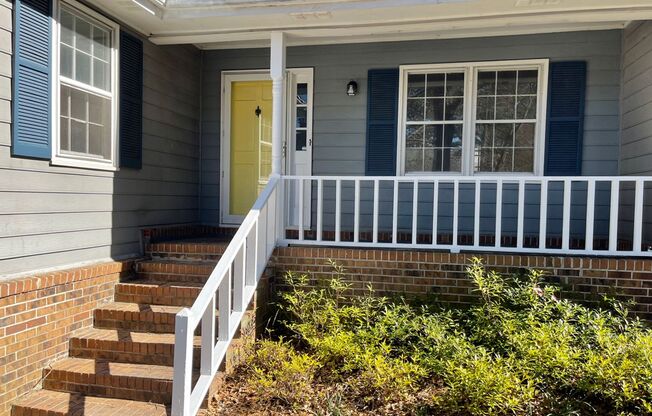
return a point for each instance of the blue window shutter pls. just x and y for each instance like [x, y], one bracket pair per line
[382, 113]
[131, 101]
[32, 92]
[565, 127]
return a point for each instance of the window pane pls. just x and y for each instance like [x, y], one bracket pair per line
[503, 160]
[523, 160]
[485, 108]
[416, 85]
[301, 140]
[77, 104]
[101, 71]
[526, 108]
[527, 82]
[504, 135]
[414, 136]
[414, 160]
[484, 159]
[78, 137]
[67, 28]
[524, 135]
[432, 160]
[302, 93]
[454, 108]
[415, 109]
[453, 135]
[64, 130]
[487, 83]
[98, 110]
[64, 101]
[100, 43]
[83, 35]
[82, 67]
[505, 108]
[66, 58]
[434, 109]
[452, 160]
[506, 83]
[302, 117]
[435, 87]
[433, 136]
[455, 84]
[484, 135]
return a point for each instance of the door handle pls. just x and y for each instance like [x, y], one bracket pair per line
[258, 111]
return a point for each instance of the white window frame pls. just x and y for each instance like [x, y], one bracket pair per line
[80, 160]
[471, 70]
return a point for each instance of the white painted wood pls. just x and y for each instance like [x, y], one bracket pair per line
[239, 265]
[338, 208]
[277, 72]
[207, 338]
[613, 216]
[301, 207]
[415, 210]
[375, 210]
[320, 208]
[395, 212]
[183, 347]
[476, 214]
[456, 209]
[499, 214]
[521, 214]
[638, 215]
[565, 232]
[590, 215]
[435, 211]
[356, 212]
[543, 214]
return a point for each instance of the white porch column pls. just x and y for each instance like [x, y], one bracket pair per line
[277, 71]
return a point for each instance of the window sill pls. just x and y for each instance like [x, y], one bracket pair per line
[83, 164]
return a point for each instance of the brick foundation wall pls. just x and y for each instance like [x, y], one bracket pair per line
[39, 313]
[422, 273]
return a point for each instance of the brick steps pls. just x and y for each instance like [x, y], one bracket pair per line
[157, 293]
[55, 403]
[175, 270]
[123, 364]
[126, 346]
[136, 317]
[145, 383]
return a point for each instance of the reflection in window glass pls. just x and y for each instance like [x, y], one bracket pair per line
[506, 112]
[434, 114]
[301, 118]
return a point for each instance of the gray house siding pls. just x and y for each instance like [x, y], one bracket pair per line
[53, 216]
[636, 150]
[340, 120]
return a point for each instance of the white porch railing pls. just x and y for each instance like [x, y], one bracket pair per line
[607, 213]
[234, 279]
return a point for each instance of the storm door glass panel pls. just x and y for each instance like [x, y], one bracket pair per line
[434, 115]
[506, 120]
[301, 108]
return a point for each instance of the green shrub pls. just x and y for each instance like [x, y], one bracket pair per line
[520, 351]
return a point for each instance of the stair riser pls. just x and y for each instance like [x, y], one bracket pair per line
[170, 277]
[127, 352]
[156, 295]
[127, 388]
[141, 325]
[202, 269]
[190, 255]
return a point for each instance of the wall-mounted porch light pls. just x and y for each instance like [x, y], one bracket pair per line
[351, 88]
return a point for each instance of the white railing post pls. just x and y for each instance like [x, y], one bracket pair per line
[239, 267]
[639, 192]
[375, 211]
[301, 231]
[415, 210]
[181, 383]
[320, 208]
[208, 339]
[476, 213]
[456, 214]
[521, 214]
[224, 307]
[435, 210]
[590, 215]
[543, 215]
[395, 213]
[499, 213]
[338, 208]
[613, 215]
[565, 229]
[356, 212]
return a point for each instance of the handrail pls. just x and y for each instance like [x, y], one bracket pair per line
[235, 277]
[400, 221]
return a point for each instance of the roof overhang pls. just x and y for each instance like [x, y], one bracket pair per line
[225, 24]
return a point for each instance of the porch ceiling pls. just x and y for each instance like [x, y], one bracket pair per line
[224, 24]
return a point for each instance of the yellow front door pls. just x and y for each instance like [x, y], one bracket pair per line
[251, 143]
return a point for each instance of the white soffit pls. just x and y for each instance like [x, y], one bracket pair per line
[225, 24]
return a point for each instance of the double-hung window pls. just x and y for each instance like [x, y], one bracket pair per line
[475, 118]
[86, 89]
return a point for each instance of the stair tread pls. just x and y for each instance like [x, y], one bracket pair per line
[56, 402]
[159, 283]
[182, 261]
[139, 307]
[123, 335]
[105, 367]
